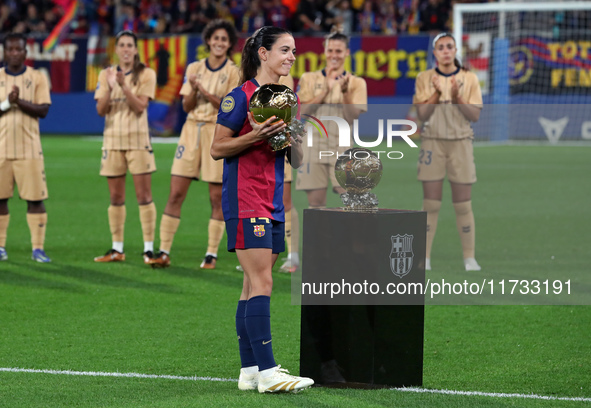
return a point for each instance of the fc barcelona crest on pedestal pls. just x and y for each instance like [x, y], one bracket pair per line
[401, 255]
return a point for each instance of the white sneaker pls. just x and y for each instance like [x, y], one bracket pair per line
[248, 382]
[289, 266]
[427, 264]
[281, 381]
[471, 264]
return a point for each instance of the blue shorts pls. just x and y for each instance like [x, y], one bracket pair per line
[248, 233]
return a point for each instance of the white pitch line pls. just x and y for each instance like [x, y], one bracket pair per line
[103, 374]
[215, 379]
[490, 394]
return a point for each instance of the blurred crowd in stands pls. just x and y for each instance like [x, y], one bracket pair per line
[309, 17]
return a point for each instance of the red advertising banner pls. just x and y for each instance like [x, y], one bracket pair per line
[389, 64]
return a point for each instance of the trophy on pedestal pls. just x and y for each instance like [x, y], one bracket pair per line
[359, 170]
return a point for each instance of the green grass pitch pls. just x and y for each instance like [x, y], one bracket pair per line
[531, 205]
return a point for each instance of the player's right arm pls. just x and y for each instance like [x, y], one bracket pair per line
[10, 100]
[189, 89]
[232, 118]
[102, 94]
[305, 92]
[226, 145]
[39, 106]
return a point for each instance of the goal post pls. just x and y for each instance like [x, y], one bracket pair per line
[539, 53]
[501, 8]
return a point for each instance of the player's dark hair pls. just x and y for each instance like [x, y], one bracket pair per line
[12, 37]
[263, 37]
[338, 36]
[138, 66]
[217, 24]
[457, 61]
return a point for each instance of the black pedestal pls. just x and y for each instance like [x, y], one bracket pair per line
[358, 338]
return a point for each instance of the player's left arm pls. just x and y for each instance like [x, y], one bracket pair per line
[295, 153]
[354, 97]
[35, 110]
[231, 83]
[211, 98]
[471, 105]
[147, 90]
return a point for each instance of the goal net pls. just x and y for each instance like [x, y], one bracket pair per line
[533, 60]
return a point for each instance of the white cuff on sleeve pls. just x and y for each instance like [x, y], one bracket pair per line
[5, 105]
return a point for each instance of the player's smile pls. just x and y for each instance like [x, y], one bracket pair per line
[335, 62]
[126, 50]
[285, 51]
[219, 43]
[336, 52]
[288, 63]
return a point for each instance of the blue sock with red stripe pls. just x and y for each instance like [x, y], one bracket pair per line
[258, 325]
[247, 358]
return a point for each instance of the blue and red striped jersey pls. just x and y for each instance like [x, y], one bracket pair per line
[253, 180]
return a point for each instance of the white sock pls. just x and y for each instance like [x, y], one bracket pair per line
[214, 255]
[294, 257]
[149, 246]
[165, 252]
[118, 246]
[268, 372]
[250, 370]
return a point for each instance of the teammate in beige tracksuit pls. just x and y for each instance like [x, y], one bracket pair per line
[448, 98]
[328, 92]
[123, 93]
[24, 93]
[206, 83]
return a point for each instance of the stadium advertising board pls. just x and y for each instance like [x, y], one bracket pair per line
[64, 66]
[389, 64]
[545, 66]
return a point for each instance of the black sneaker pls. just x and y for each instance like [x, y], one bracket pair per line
[148, 256]
[209, 262]
[162, 260]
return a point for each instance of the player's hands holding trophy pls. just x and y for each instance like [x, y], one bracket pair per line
[267, 129]
[280, 102]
